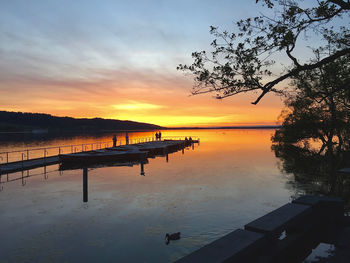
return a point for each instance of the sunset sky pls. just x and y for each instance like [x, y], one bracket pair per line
[118, 59]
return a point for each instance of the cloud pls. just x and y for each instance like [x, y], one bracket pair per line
[113, 60]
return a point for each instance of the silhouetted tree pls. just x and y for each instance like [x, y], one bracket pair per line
[320, 109]
[240, 62]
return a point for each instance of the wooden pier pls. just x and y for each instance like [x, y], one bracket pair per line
[287, 234]
[150, 149]
[28, 164]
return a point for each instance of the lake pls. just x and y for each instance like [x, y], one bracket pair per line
[205, 192]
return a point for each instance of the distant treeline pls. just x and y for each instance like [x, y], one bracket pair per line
[19, 121]
[252, 127]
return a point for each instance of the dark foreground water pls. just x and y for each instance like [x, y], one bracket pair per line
[231, 178]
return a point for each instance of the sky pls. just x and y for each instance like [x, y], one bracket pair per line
[117, 59]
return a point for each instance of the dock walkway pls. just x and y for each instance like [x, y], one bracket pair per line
[28, 164]
[152, 148]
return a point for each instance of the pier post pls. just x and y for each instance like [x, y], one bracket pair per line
[23, 181]
[22, 160]
[85, 184]
[165, 152]
[142, 167]
[142, 162]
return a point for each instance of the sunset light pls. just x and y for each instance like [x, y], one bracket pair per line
[117, 61]
[174, 131]
[134, 105]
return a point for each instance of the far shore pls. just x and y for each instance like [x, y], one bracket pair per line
[140, 130]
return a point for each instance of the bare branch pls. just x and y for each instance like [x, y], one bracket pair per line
[239, 63]
[268, 86]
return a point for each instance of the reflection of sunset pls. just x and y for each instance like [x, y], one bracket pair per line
[221, 157]
[225, 139]
[205, 192]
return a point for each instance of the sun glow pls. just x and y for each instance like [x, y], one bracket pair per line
[176, 121]
[134, 105]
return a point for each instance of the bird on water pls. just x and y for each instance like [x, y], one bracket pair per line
[174, 236]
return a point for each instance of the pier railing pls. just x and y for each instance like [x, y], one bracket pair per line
[45, 152]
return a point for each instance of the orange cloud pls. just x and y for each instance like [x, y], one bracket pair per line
[145, 96]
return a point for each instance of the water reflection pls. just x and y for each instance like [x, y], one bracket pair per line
[23, 176]
[228, 181]
[315, 172]
[86, 166]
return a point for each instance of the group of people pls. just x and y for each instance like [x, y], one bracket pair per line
[188, 141]
[158, 136]
[115, 139]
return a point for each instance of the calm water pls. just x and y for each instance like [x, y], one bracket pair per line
[232, 177]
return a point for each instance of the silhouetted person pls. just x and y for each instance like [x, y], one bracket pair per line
[114, 140]
[160, 136]
[157, 136]
[126, 138]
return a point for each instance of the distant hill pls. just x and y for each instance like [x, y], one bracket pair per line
[19, 121]
[257, 127]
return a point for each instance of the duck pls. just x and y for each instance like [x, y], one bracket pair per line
[174, 236]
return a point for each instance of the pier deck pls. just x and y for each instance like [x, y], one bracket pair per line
[152, 148]
[28, 164]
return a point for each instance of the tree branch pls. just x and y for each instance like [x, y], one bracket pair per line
[342, 4]
[268, 86]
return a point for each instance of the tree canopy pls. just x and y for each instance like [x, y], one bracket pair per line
[240, 61]
[320, 110]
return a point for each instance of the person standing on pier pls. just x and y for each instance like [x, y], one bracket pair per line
[160, 136]
[126, 138]
[114, 140]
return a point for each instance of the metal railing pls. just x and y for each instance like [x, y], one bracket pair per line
[34, 153]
